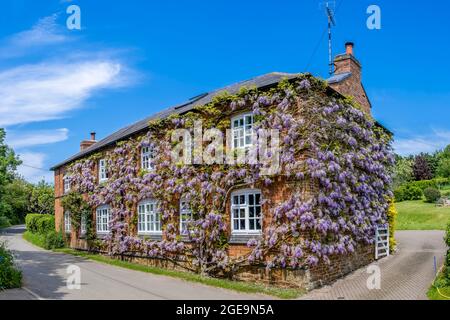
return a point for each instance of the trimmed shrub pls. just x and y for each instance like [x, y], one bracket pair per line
[408, 192]
[10, 276]
[54, 240]
[431, 195]
[40, 223]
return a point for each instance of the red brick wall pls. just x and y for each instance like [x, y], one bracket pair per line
[351, 86]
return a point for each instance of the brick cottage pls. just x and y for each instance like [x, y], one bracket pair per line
[245, 209]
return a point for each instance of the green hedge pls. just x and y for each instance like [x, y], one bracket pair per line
[414, 190]
[10, 276]
[408, 192]
[40, 223]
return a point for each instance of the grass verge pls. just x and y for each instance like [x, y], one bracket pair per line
[434, 294]
[238, 286]
[418, 215]
[35, 238]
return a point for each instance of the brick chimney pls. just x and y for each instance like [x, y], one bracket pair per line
[87, 143]
[347, 77]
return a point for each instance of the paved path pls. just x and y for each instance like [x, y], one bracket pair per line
[406, 275]
[45, 278]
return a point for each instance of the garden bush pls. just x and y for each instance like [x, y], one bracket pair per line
[53, 240]
[407, 192]
[10, 276]
[40, 223]
[392, 217]
[431, 195]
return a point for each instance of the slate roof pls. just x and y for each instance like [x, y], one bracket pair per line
[261, 82]
[339, 77]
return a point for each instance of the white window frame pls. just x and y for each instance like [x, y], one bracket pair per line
[67, 222]
[244, 208]
[66, 184]
[149, 218]
[242, 130]
[83, 226]
[102, 170]
[103, 219]
[185, 216]
[147, 156]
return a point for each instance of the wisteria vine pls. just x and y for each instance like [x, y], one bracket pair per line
[333, 156]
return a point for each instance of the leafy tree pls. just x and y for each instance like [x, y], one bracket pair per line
[443, 167]
[8, 162]
[42, 199]
[8, 166]
[403, 171]
[15, 200]
[421, 168]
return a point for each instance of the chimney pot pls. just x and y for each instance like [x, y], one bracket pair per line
[93, 136]
[349, 48]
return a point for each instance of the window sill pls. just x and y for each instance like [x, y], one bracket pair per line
[150, 236]
[102, 235]
[244, 238]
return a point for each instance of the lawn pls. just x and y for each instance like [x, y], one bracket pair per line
[418, 215]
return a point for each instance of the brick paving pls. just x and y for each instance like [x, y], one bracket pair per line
[405, 275]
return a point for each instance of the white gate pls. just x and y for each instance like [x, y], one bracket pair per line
[381, 242]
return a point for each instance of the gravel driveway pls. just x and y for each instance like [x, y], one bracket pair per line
[406, 275]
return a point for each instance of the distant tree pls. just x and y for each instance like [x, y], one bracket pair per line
[403, 170]
[421, 168]
[443, 167]
[8, 162]
[41, 199]
[8, 166]
[15, 200]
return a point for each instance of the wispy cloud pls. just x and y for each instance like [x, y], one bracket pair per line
[44, 33]
[415, 144]
[33, 169]
[47, 91]
[19, 140]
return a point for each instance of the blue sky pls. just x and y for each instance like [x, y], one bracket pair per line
[133, 58]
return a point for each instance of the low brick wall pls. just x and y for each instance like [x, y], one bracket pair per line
[306, 278]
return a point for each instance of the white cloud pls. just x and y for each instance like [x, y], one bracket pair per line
[436, 140]
[35, 138]
[33, 168]
[44, 33]
[32, 93]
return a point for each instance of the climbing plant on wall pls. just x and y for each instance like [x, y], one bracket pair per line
[333, 154]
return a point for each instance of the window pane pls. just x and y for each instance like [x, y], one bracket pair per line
[251, 199]
[258, 224]
[242, 199]
[258, 211]
[242, 224]
[252, 224]
[251, 212]
[258, 198]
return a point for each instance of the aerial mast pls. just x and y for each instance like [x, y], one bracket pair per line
[331, 23]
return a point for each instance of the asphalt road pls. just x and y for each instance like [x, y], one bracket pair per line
[45, 277]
